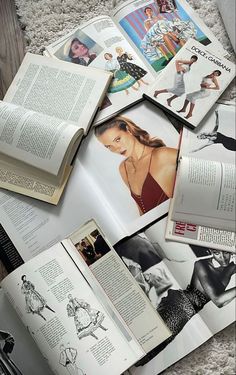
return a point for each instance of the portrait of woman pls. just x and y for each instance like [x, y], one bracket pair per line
[79, 53]
[208, 83]
[132, 69]
[215, 137]
[182, 67]
[122, 80]
[148, 168]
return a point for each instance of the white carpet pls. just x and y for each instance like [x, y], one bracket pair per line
[43, 22]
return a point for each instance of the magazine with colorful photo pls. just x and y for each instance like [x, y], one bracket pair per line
[192, 82]
[135, 43]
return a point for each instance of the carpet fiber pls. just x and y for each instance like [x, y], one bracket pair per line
[44, 21]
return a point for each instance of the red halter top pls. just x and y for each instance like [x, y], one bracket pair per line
[151, 194]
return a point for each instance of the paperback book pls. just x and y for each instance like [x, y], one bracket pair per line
[44, 115]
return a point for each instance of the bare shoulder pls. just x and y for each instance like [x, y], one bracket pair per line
[122, 171]
[162, 154]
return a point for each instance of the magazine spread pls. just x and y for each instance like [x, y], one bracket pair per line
[60, 300]
[192, 83]
[135, 43]
[42, 120]
[192, 288]
[214, 140]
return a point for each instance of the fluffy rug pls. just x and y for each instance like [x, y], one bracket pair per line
[44, 21]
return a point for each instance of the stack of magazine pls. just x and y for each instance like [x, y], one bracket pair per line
[133, 268]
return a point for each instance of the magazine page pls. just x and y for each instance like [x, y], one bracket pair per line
[132, 160]
[100, 44]
[28, 227]
[192, 83]
[35, 139]
[95, 189]
[61, 311]
[158, 29]
[111, 275]
[18, 351]
[210, 183]
[55, 88]
[193, 289]
[213, 140]
[145, 257]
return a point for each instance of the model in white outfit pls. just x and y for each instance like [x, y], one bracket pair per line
[208, 82]
[182, 67]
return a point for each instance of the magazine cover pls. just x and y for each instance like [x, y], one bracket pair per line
[191, 83]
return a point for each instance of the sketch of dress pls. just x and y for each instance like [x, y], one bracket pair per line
[86, 319]
[35, 303]
[7, 366]
[68, 360]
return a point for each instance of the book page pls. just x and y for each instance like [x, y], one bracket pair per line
[106, 49]
[159, 30]
[68, 92]
[118, 284]
[62, 312]
[35, 139]
[205, 193]
[213, 140]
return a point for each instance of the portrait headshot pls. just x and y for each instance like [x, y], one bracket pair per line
[79, 49]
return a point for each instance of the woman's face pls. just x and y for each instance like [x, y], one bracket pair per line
[108, 57]
[222, 257]
[118, 141]
[79, 49]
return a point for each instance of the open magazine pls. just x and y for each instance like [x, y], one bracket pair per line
[83, 308]
[206, 148]
[135, 43]
[43, 117]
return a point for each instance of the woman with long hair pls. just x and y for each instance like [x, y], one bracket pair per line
[208, 83]
[149, 166]
[182, 67]
[215, 137]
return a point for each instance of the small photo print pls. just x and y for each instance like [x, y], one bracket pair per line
[79, 49]
[166, 6]
[92, 247]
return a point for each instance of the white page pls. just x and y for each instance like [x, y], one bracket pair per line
[57, 285]
[69, 92]
[211, 184]
[35, 139]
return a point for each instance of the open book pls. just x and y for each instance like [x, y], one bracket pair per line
[43, 117]
[135, 43]
[192, 83]
[206, 184]
[83, 308]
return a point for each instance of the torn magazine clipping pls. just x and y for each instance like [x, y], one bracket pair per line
[44, 115]
[192, 82]
[135, 43]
